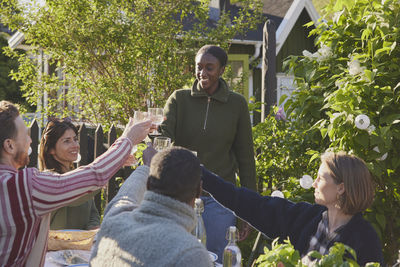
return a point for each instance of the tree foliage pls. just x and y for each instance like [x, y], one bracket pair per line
[117, 56]
[9, 89]
[349, 91]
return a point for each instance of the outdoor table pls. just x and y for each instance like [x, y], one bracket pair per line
[69, 247]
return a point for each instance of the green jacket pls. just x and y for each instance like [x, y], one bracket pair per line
[217, 127]
[82, 214]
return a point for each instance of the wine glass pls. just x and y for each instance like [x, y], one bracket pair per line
[161, 142]
[157, 117]
[138, 116]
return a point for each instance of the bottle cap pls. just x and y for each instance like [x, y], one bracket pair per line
[198, 204]
[232, 233]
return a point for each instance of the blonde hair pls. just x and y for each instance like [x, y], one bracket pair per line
[354, 174]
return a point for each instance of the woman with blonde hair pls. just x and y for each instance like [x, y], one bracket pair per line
[343, 190]
[59, 148]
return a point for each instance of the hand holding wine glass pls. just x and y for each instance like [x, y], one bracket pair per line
[136, 132]
[157, 117]
[138, 117]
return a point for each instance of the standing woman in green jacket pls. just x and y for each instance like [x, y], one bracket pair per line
[214, 121]
[59, 148]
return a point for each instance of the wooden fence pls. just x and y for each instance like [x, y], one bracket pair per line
[93, 143]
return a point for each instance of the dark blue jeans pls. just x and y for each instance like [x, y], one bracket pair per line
[217, 220]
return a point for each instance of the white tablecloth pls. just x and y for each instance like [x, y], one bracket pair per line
[61, 258]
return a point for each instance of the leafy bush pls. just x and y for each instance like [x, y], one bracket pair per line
[284, 150]
[286, 255]
[349, 91]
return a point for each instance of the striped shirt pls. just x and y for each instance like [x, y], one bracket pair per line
[28, 196]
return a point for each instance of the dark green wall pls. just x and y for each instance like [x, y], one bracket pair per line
[297, 41]
[241, 49]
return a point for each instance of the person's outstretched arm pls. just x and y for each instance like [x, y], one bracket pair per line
[273, 216]
[131, 193]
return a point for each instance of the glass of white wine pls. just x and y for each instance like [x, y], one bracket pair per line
[157, 117]
[138, 116]
[161, 142]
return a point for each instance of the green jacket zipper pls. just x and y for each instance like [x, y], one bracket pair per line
[205, 119]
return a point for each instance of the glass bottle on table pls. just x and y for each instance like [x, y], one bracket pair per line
[199, 231]
[232, 256]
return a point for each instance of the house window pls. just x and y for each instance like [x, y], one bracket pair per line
[236, 74]
[285, 86]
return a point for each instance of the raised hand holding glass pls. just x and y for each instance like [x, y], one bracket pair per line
[157, 117]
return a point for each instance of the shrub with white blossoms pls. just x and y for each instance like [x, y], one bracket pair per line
[355, 67]
[323, 53]
[360, 79]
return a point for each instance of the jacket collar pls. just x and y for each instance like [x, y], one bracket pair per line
[221, 94]
[8, 168]
[168, 208]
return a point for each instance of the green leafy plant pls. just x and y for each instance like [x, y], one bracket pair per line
[280, 253]
[285, 255]
[9, 89]
[349, 91]
[284, 153]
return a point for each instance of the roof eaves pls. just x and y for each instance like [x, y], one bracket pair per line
[16, 39]
[290, 20]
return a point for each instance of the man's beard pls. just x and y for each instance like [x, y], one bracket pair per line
[21, 158]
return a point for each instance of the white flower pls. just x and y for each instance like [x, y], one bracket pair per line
[355, 67]
[324, 52]
[371, 129]
[307, 53]
[384, 156]
[306, 181]
[277, 193]
[362, 122]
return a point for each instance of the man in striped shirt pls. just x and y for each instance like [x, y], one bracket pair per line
[27, 196]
